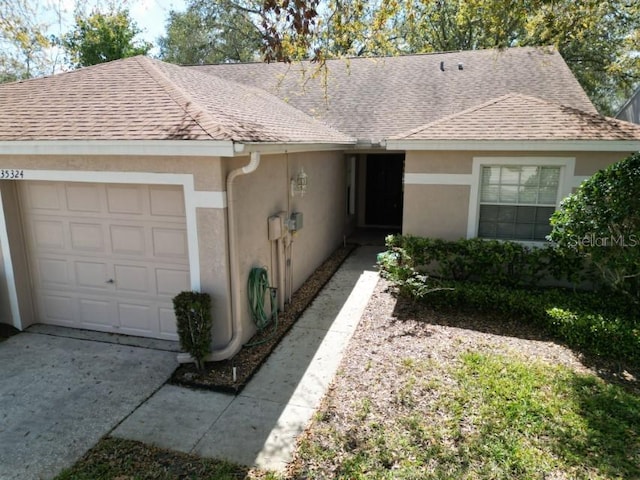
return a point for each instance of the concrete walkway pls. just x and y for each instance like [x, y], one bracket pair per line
[259, 426]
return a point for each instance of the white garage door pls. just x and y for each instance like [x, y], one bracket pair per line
[106, 257]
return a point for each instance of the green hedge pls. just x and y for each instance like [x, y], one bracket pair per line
[583, 320]
[488, 261]
[597, 324]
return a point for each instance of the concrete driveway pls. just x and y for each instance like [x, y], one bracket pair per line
[60, 395]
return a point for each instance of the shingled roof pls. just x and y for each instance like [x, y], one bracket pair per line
[513, 94]
[375, 98]
[140, 98]
[520, 117]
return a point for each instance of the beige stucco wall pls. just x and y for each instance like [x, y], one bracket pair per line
[442, 211]
[211, 222]
[588, 163]
[438, 211]
[18, 257]
[266, 192]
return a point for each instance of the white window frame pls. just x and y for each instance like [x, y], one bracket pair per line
[566, 184]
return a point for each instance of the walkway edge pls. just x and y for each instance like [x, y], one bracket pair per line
[291, 418]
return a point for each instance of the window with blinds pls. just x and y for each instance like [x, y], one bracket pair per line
[516, 202]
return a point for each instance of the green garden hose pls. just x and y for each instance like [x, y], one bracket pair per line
[257, 285]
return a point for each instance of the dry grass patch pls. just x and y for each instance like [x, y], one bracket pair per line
[419, 397]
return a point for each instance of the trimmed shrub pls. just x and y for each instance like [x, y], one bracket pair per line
[600, 325]
[601, 222]
[583, 320]
[486, 261]
[193, 315]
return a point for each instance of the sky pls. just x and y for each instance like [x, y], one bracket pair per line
[151, 16]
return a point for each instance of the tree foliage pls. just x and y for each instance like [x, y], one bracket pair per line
[240, 30]
[210, 32]
[102, 37]
[599, 39]
[25, 47]
[602, 222]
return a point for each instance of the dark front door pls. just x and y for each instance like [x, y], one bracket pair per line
[384, 190]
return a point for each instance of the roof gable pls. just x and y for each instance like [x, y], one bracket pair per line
[520, 117]
[374, 98]
[95, 103]
[139, 98]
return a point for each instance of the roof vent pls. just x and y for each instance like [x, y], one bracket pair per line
[460, 66]
[442, 66]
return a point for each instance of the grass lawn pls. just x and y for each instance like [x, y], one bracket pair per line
[118, 459]
[500, 417]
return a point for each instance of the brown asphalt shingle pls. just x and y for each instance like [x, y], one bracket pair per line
[139, 98]
[518, 93]
[374, 98]
[520, 117]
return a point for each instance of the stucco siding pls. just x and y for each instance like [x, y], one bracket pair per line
[20, 278]
[266, 192]
[206, 170]
[588, 163]
[437, 211]
[214, 268]
[438, 162]
[440, 187]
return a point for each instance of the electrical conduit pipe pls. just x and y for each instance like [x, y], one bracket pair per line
[235, 343]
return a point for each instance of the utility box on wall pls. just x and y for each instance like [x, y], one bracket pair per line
[295, 221]
[276, 229]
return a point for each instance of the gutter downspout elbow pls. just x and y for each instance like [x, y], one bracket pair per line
[235, 344]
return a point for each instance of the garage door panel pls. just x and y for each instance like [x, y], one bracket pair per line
[87, 237]
[130, 278]
[53, 272]
[170, 282]
[125, 200]
[42, 196]
[169, 243]
[97, 313]
[166, 201]
[136, 319]
[83, 198]
[82, 236]
[128, 240]
[49, 234]
[167, 323]
[92, 275]
[59, 308]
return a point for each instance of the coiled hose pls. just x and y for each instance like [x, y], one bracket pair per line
[257, 285]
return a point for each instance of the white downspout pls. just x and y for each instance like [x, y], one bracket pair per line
[235, 344]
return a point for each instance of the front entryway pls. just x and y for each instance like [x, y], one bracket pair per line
[106, 257]
[384, 192]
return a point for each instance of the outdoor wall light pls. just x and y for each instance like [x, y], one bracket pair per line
[299, 184]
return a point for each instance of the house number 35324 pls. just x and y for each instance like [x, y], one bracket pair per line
[6, 174]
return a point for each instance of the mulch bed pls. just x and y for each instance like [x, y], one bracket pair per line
[218, 376]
